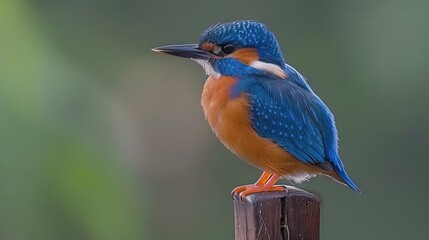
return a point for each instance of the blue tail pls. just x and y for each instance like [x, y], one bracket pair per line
[346, 179]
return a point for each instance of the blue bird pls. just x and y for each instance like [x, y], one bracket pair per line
[261, 108]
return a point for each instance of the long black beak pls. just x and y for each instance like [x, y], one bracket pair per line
[186, 51]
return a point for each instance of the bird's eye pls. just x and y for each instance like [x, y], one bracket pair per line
[228, 49]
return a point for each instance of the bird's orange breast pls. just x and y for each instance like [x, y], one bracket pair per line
[230, 119]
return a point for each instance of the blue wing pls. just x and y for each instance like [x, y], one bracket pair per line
[291, 115]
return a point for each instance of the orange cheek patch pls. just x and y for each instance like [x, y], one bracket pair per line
[207, 46]
[245, 55]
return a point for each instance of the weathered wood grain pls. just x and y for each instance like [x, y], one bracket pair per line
[288, 215]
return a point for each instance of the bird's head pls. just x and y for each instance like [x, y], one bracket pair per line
[234, 49]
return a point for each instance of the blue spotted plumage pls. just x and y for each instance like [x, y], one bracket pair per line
[290, 114]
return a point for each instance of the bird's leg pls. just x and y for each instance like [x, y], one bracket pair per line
[264, 184]
[263, 179]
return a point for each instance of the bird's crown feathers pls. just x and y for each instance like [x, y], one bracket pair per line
[245, 34]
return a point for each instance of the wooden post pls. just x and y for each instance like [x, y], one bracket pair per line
[288, 215]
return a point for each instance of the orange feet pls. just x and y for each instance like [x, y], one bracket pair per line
[243, 191]
[264, 184]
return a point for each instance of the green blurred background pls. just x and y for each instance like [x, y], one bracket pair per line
[100, 138]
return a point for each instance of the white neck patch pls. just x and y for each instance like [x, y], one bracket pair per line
[207, 67]
[269, 67]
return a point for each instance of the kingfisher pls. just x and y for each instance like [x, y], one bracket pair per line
[261, 108]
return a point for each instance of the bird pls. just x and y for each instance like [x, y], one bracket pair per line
[263, 109]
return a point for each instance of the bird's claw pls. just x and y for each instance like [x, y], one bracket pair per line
[238, 190]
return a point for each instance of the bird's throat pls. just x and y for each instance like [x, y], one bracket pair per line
[208, 68]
